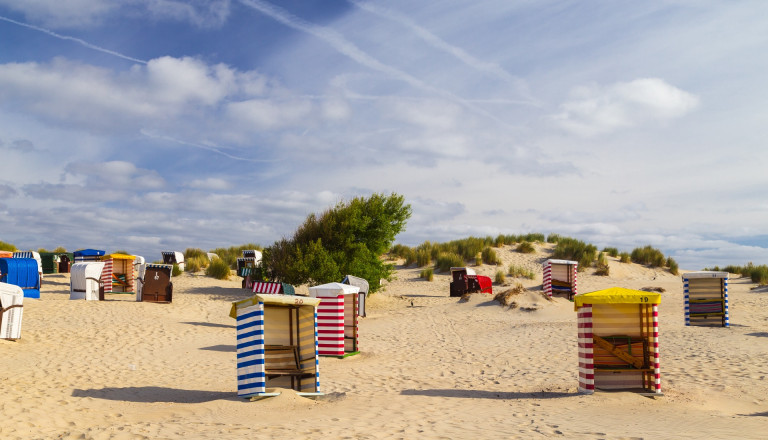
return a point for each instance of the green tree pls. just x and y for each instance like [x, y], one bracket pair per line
[349, 238]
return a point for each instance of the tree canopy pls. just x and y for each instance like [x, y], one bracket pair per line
[348, 239]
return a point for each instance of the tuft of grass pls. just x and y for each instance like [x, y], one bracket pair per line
[521, 272]
[196, 263]
[624, 257]
[422, 258]
[649, 256]
[489, 256]
[673, 267]
[427, 274]
[506, 297]
[218, 269]
[60, 250]
[445, 261]
[500, 278]
[7, 247]
[525, 248]
[176, 270]
[479, 259]
[42, 251]
[612, 251]
[576, 250]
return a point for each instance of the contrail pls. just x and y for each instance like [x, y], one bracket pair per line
[202, 147]
[438, 43]
[349, 49]
[76, 40]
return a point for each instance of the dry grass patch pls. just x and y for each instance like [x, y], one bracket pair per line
[506, 298]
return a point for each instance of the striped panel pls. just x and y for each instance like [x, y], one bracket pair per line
[574, 289]
[264, 287]
[586, 346]
[250, 351]
[106, 275]
[706, 301]
[655, 349]
[564, 275]
[330, 326]
[547, 278]
[308, 347]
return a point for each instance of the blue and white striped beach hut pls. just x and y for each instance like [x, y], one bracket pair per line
[706, 298]
[276, 345]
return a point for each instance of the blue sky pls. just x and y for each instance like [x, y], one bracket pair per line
[151, 125]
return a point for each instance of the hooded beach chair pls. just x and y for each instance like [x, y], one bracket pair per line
[11, 311]
[85, 281]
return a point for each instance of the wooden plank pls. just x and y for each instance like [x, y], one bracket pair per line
[621, 354]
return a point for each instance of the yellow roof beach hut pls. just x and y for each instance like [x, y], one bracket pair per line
[618, 338]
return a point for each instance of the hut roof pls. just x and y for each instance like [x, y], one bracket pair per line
[616, 295]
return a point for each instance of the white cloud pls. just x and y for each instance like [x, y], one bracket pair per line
[210, 183]
[596, 110]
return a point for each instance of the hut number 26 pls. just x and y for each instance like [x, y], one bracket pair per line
[298, 301]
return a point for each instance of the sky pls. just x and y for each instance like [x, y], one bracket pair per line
[151, 125]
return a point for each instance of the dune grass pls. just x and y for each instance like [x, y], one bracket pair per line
[427, 274]
[218, 269]
[520, 272]
[500, 277]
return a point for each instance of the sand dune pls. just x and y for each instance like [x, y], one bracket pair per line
[430, 367]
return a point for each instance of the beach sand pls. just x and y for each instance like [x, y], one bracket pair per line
[430, 367]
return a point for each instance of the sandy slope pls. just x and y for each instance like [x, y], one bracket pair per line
[435, 369]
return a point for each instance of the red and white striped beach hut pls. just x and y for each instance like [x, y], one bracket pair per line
[336, 319]
[559, 278]
[117, 274]
[618, 335]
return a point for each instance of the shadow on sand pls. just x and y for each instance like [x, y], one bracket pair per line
[155, 394]
[482, 394]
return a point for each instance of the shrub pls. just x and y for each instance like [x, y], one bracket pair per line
[7, 247]
[194, 252]
[400, 251]
[479, 259]
[42, 251]
[572, 249]
[427, 274]
[176, 270]
[422, 258]
[553, 238]
[602, 265]
[612, 251]
[446, 261]
[490, 257]
[601, 259]
[521, 272]
[192, 266]
[500, 278]
[649, 256]
[624, 257]
[196, 263]
[218, 269]
[672, 265]
[60, 250]
[525, 248]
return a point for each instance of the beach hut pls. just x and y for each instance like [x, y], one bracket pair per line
[118, 273]
[273, 288]
[35, 256]
[361, 283]
[85, 281]
[22, 272]
[11, 311]
[211, 256]
[65, 262]
[6, 254]
[618, 339]
[155, 283]
[50, 262]
[276, 344]
[336, 319]
[88, 255]
[173, 257]
[465, 280]
[706, 298]
[246, 267]
[559, 278]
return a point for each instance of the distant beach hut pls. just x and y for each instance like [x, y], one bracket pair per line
[337, 324]
[361, 283]
[118, 273]
[174, 257]
[155, 283]
[706, 298]
[559, 278]
[246, 267]
[465, 280]
[11, 311]
[273, 288]
[211, 256]
[22, 272]
[276, 344]
[618, 338]
[6, 254]
[50, 262]
[35, 256]
[85, 281]
[88, 255]
[65, 261]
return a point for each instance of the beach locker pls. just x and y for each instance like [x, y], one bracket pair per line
[618, 340]
[276, 344]
[273, 288]
[337, 324]
[559, 278]
[157, 285]
[174, 257]
[85, 281]
[50, 262]
[361, 283]
[12, 307]
[118, 273]
[22, 272]
[88, 255]
[706, 298]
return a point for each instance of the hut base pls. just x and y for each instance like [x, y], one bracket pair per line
[347, 354]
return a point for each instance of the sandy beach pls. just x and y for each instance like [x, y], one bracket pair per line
[430, 367]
